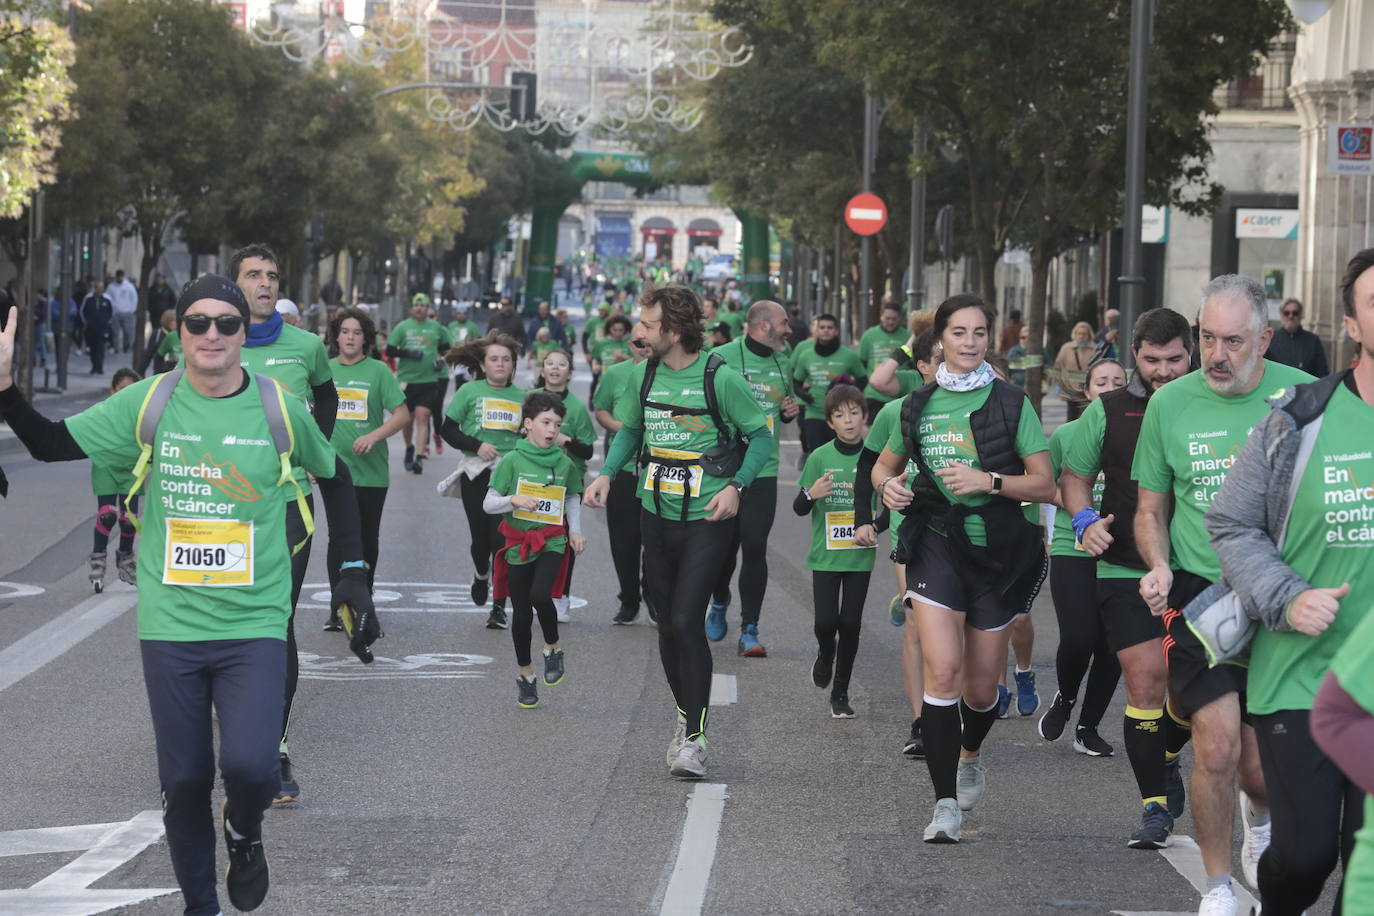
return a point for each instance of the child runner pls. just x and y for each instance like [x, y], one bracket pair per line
[537, 491]
[110, 485]
[841, 557]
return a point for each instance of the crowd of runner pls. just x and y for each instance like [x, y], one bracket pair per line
[1203, 531]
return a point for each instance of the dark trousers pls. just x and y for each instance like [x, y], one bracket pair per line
[681, 560]
[242, 678]
[622, 524]
[531, 592]
[481, 526]
[839, 601]
[751, 529]
[295, 531]
[95, 346]
[1082, 638]
[371, 501]
[1315, 810]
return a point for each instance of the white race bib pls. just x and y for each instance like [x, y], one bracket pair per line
[208, 553]
[498, 413]
[352, 404]
[549, 510]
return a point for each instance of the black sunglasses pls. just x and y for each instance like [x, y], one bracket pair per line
[639, 344]
[227, 325]
[1290, 314]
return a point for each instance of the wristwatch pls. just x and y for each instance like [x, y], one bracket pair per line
[807, 494]
[996, 482]
[739, 488]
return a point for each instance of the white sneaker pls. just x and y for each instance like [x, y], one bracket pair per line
[972, 782]
[1254, 841]
[679, 737]
[945, 823]
[1219, 901]
[561, 606]
[690, 762]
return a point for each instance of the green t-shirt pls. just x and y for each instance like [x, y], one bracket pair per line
[1065, 543]
[875, 346]
[591, 331]
[1353, 666]
[213, 560]
[1083, 455]
[577, 425]
[889, 418]
[946, 436]
[488, 414]
[832, 518]
[543, 348]
[169, 348]
[612, 385]
[460, 332]
[546, 474]
[767, 378]
[608, 351]
[297, 359]
[107, 479]
[685, 437]
[424, 336]
[1330, 541]
[1188, 441]
[367, 390]
[810, 368]
[734, 319]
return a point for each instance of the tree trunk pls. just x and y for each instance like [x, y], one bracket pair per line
[1041, 256]
[145, 270]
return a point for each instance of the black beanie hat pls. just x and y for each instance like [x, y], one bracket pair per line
[212, 286]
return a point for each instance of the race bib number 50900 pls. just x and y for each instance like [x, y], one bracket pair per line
[498, 413]
[208, 553]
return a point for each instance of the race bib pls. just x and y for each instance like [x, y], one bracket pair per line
[769, 419]
[498, 413]
[352, 404]
[549, 510]
[839, 531]
[673, 479]
[208, 553]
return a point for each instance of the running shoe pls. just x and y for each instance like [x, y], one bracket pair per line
[127, 566]
[690, 762]
[716, 625]
[1254, 840]
[1003, 701]
[438, 446]
[333, 624]
[822, 669]
[944, 825]
[1087, 741]
[479, 591]
[896, 611]
[246, 877]
[679, 738]
[97, 571]
[290, 791]
[749, 645]
[1051, 726]
[410, 457]
[1155, 827]
[1027, 700]
[497, 619]
[915, 746]
[1173, 788]
[973, 782]
[560, 606]
[553, 667]
[839, 706]
[1219, 901]
[649, 609]
[625, 616]
[528, 696]
[419, 464]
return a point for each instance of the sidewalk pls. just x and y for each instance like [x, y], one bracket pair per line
[83, 390]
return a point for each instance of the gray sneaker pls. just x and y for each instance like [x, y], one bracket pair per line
[945, 823]
[690, 762]
[973, 780]
[679, 738]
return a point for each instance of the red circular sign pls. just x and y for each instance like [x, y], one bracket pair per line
[865, 214]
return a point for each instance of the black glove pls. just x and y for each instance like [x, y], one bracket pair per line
[413, 354]
[352, 601]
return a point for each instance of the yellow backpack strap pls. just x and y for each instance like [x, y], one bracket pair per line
[149, 416]
[284, 441]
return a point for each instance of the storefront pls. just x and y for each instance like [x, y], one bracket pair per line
[703, 234]
[1256, 235]
[656, 235]
[612, 234]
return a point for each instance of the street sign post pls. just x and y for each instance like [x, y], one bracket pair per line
[865, 214]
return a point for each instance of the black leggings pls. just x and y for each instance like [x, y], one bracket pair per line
[531, 587]
[622, 523]
[681, 560]
[109, 513]
[839, 620]
[481, 526]
[371, 500]
[1082, 638]
[752, 526]
[295, 531]
[1315, 810]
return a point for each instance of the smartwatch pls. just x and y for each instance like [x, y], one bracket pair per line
[996, 482]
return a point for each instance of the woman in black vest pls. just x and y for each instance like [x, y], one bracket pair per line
[973, 558]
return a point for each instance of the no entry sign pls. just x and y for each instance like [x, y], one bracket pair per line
[865, 214]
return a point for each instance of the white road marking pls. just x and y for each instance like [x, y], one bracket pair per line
[427, 666]
[66, 891]
[724, 690]
[31, 652]
[18, 590]
[696, 853]
[1185, 856]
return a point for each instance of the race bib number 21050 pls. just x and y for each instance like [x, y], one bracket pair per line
[208, 553]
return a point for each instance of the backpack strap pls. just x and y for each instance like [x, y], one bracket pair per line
[284, 441]
[713, 363]
[145, 433]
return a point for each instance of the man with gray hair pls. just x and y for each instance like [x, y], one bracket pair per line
[1191, 433]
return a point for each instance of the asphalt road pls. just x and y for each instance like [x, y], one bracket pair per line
[426, 790]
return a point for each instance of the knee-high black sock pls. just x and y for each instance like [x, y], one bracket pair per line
[1177, 731]
[940, 727]
[977, 724]
[1144, 732]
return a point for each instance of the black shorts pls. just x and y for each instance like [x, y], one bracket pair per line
[1193, 683]
[420, 394]
[1125, 616]
[935, 576]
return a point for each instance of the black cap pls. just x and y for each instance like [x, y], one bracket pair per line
[212, 286]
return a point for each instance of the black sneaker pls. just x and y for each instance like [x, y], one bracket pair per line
[839, 706]
[1155, 826]
[497, 620]
[822, 670]
[1173, 788]
[553, 667]
[479, 591]
[410, 457]
[529, 692]
[290, 791]
[915, 746]
[626, 615]
[1052, 723]
[649, 609]
[246, 877]
[419, 466]
[333, 624]
[1087, 741]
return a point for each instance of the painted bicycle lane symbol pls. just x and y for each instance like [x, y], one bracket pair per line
[411, 598]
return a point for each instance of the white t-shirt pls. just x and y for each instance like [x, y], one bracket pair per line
[123, 296]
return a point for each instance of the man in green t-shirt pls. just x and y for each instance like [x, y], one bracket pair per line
[463, 328]
[814, 369]
[690, 489]
[298, 360]
[877, 344]
[214, 573]
[417, 345]
[1192, 430]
